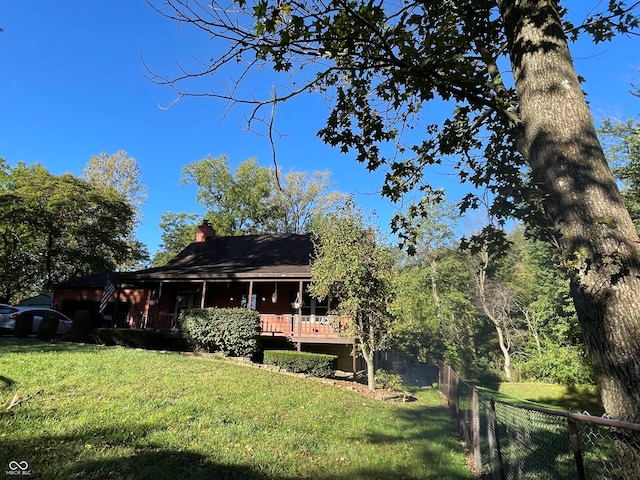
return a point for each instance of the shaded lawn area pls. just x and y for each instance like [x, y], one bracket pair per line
[93, 413]
[578, 398]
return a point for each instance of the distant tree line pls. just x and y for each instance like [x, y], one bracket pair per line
[56, 227]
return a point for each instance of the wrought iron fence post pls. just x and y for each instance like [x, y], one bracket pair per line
[494, 419]
[574, 438]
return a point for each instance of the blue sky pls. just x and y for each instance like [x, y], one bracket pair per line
[72, 85]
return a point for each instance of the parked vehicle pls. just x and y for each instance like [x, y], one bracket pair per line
[8, 315]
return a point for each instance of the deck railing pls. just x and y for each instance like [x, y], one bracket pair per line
[287, 325]
[303, 325]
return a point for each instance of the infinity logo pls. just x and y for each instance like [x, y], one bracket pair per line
[13, 465]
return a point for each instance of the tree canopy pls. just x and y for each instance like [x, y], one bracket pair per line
[53, 228]
[119, 172]
[250, 200]
[120, 175]
[621, 139]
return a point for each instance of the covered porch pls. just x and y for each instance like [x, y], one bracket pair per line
[284, 306]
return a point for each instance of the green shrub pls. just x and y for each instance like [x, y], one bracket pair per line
[314, 364]
[24, 325]
[563, 365]
[130, 337]
[81, 326]
[388, 380]
[48, 327]
[230, 330]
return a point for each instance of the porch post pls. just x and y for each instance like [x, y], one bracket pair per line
[300, 309]
[250, 299]
[300, 315]
[204, 294]
[157, 319]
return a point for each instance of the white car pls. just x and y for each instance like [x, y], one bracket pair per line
[8, 315]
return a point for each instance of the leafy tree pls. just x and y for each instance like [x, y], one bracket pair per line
[178, 231]
[236, 203]
[255, 199]
[251, 200]
[61, 227]
[299, 199]
[421, 306]
[433, 313]
[350, 267]
[18, 248]
[119, 172]
[622, 145]
[380, 63]
[527, 301]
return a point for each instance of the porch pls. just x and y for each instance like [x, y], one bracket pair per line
[296, 328]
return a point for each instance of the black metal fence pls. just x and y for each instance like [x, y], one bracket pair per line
[509, 441]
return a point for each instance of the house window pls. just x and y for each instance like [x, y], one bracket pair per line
[254, 301]
[186, 300]
[312, 308]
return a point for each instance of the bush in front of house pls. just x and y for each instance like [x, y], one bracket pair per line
[313, 364]
[48, 327]
[81, 326]
[229, 330]
[24, 325]
[129, 337]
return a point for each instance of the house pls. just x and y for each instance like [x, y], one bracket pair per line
[267, 273]
[42, 300]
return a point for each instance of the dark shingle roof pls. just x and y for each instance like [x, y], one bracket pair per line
[249, 256]
[95, 280]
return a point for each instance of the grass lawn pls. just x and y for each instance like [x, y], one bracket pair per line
[113, 413]
[578, 398]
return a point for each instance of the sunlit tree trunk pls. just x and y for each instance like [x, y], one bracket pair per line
[434, 289]
[495, 303]
[588, 220]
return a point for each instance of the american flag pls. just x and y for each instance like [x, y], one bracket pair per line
[109, 288]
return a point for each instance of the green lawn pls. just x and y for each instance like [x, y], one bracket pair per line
[578, 398]
[113, 413]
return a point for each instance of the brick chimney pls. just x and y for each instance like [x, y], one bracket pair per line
[205, 232]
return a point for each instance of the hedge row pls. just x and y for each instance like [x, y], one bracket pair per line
[129, 337]
[314, 364]
[230, 330]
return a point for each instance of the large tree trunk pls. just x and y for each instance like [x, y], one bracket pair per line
[369, 354]
[591, 226]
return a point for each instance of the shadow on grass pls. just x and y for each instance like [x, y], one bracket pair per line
[574, 398]
[129, 453]
[578, 400]
[132, 450]
[107, 454]
[162, 464]
[6, 382]
[34, 345]
[430, 427]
